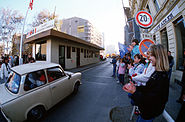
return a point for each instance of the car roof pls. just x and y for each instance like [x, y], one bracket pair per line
[31, 67]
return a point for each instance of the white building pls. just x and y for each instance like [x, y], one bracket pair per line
[82, 29]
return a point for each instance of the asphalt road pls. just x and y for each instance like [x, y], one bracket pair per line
[97, 96]
[101, 99]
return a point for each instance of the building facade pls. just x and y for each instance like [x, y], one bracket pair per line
[66, 50]
[131, 29]
[82, 29]
[168, 27]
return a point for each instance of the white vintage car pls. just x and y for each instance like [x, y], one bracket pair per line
[32, 89]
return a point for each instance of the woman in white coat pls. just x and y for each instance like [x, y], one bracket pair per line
[5, 70]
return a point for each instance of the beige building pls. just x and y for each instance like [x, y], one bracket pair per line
[66, 50]
[168, 27]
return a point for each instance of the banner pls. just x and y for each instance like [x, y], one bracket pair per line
[122, 49]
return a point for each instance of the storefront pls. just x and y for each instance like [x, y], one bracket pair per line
[68, 51]
[170, 31]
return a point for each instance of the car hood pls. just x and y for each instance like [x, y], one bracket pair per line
[5, 95]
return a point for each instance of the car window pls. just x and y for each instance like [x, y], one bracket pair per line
[34, 79]
[13, 82]
[54, 73]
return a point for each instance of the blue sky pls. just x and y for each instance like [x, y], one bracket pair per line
[106, 15]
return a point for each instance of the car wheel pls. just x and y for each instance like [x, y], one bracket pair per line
[76, 87]
[36, 114]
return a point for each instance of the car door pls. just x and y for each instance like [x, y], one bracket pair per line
[59, 84]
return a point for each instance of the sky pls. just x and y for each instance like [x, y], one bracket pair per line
[106, 15]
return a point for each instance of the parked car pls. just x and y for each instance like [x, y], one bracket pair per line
[32, 89]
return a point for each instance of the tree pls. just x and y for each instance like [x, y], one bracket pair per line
[10, 23]
[42, 17]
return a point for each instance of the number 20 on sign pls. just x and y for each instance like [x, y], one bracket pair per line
[144, 19]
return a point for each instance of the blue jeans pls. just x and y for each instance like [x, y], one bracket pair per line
[121, 78]
[140, 119]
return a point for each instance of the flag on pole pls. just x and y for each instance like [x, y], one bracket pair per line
[122, 49]
[31, 4]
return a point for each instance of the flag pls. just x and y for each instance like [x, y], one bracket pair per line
[122, 49]
[31, 4]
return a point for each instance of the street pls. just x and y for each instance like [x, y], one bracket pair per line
[98, 96]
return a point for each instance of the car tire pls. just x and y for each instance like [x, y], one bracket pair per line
[36, 113]
[76, 87]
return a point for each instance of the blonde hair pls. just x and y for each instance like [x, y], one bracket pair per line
[161, 55]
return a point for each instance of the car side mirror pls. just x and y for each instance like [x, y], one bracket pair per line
[69, 76]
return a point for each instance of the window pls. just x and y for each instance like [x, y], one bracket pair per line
[147, 8]
[68, 52]
[180, 37]
[40, 51]
[34, 79]
[82, 50]
[73, 49]
[156, 5]
[164, 38]
[85, 55]
[55, 73]
[154, 37]
[13, 82]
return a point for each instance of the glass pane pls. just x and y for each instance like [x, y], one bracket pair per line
[54, 74]
[13, 82]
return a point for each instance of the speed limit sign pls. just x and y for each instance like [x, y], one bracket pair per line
[144, 19]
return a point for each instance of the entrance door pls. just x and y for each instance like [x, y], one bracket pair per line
[62, 56]
[78, 57]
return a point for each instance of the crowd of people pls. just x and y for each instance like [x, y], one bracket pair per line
[10, 61]
[148, 79]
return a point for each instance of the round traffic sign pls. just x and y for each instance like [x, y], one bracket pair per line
[144, 45]
[144, 19]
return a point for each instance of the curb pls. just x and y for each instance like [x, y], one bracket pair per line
[86, 67]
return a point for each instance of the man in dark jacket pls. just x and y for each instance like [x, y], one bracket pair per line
[114, 66]
[171, 63]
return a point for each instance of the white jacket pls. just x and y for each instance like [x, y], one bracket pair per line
[4, 71]
[141, 79]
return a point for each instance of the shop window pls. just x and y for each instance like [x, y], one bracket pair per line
[82, 50]
[73, 49]
[68, 52]
[164, 38]
[41, 51]
[85, 54]
[156, 5]
[180, 37]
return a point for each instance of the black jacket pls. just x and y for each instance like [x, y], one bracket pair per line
[151, 99]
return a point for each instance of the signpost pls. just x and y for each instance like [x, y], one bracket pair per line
[144, 45]
[144, 19]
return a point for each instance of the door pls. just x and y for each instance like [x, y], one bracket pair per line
[62, 56]
[78, 57]
[59, 84]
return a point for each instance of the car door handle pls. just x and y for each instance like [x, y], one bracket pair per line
[53, 87]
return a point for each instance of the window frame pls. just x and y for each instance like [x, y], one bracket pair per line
[68, 52]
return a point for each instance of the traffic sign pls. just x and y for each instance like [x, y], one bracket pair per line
[144, 45]
[144, 19]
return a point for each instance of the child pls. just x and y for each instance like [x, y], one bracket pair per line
[121, 70]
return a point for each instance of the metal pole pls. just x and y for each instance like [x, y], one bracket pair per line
[20, 56]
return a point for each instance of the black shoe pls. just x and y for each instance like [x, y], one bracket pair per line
[179, 101]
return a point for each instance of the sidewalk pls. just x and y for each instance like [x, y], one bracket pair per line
[82, 68]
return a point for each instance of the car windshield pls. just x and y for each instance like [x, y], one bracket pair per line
[13, 82]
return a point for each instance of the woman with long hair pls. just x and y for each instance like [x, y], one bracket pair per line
[151, 99]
